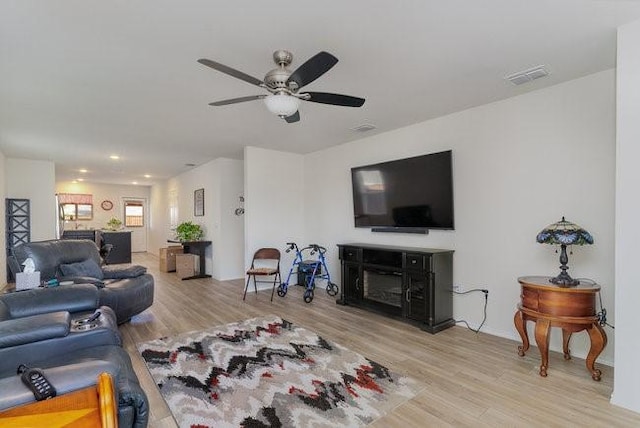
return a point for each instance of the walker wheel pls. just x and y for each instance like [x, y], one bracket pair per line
[332, 289]
[282, 290]
[308, 296]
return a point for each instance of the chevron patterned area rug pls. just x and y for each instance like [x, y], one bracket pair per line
[266, 372]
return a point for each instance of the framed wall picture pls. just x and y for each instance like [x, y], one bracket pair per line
[198, 202]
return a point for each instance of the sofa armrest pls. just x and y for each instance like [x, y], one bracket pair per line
[133, 396]
[71, 298]
[64, 379]
[34, 329]
[123, 271]
[82, 280]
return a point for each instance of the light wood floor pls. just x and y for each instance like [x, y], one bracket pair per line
[471, 380]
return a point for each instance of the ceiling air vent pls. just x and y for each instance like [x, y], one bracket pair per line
[527, 75]
[364, 127]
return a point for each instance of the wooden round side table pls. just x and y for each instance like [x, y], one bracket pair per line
[573, 309]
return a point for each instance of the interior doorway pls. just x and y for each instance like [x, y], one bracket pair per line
[136, 219]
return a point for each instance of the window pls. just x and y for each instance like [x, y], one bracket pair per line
[85, 211]
[133, 214]
[75, 212]
[69, 211]
[76, 206]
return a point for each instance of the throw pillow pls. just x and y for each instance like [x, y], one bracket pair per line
[87, 267]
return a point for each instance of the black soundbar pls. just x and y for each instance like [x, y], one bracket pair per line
[401, 230]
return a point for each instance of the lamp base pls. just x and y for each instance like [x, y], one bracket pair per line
[564, 280]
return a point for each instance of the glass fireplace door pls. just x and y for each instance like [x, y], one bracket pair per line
[383, 289]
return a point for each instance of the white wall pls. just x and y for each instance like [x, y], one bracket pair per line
[159, 230]
[519, 165]
[34, 180]
[229, 226]
[627, 348]
[221, 180]
[274, 202]
[3, 255]
[115, 194]
[101, 192]
[185, 184]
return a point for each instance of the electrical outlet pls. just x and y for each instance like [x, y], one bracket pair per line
[457, 288]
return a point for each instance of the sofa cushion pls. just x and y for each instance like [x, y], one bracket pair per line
[34, 328]
[72, 298]
[87, 267]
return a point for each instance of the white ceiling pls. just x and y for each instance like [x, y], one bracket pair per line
[83, 79]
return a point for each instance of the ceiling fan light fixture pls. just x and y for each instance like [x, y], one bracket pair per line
[282, 105]
[283, 85]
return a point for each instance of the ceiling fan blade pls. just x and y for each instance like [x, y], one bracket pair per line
[335, 99]
[231, 72]
[315, 67]
[295, 117]
[237, 100]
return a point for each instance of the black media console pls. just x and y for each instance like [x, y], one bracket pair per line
[411, 283]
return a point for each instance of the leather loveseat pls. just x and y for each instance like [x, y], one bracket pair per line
[127, 289]
[49, 329]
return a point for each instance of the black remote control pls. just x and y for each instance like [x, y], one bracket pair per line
[94, 317]
[36, 382]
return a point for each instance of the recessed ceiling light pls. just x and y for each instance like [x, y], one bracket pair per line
[80, 179]
[74, 182]
[134, 182]
[83, 171]
[147, 176]
[114, 157]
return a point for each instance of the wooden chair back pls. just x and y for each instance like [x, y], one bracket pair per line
[267, 254]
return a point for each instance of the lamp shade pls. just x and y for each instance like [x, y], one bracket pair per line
[564, 233]
[282, 104]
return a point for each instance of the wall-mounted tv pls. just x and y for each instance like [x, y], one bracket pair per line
[412, 195]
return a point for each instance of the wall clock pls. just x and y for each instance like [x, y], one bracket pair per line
[106, 205]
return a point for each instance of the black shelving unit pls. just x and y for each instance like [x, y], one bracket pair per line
[17, 227]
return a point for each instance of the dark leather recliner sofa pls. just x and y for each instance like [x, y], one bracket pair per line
[48, 329]
[36, 324]
[126, 289]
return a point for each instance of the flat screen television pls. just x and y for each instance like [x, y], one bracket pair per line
[412, 195]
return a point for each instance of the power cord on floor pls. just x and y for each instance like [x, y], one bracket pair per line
[484, 309]
[602, 315]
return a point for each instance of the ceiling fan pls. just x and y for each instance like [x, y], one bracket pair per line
[284, 85]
